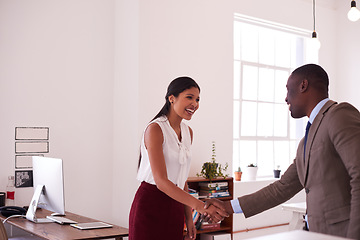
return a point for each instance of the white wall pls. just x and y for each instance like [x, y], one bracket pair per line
[57, 70]
[96, 72]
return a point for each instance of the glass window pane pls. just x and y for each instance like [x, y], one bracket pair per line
[236, 154]
[265, 157]
[283, 50]
[237, 67]
[247, 153]
[250, 80]
[263, 130]
[281, 154]
[265, 119]
[236, 120]
[266, 84]
[281, 78]
[248, 118]
[281, 120]
[266, 46]
[297, 127]
[249, 43]
[293, 149]
[292, 127]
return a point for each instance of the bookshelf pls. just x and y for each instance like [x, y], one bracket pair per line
[226, 226]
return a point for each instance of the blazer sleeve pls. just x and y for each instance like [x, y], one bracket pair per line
[272, 195]
[344, 132]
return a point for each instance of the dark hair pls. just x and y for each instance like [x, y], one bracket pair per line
[315, 74]
[177, 86]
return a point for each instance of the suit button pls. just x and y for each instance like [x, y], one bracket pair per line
[307, 190]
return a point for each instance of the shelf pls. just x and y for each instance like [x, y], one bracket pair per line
[227, 224]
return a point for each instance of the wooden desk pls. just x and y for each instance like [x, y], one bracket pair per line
[57, 231]
[298, 210]
[298, 235]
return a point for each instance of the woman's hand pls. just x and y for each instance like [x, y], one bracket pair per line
[191, 230]
[214, 213]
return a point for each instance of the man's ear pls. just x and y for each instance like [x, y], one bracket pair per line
[304, 85]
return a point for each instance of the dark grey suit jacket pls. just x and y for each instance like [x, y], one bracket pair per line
[330, 174]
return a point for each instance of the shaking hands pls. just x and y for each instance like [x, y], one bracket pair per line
[216, 210]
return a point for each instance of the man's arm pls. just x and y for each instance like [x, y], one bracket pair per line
[345, 133]
[264, 199]
[272, 195]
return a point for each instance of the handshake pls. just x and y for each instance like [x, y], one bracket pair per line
[216, 210]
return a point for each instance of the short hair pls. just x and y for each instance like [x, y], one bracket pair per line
[315, 74]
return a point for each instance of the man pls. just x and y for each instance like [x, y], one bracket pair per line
[328, 167]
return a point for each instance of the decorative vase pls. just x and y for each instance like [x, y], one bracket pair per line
[251, 173]
[237, 176]
[277, 173]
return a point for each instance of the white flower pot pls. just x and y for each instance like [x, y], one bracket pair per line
[250, 173]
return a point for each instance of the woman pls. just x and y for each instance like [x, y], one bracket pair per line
[162, 201]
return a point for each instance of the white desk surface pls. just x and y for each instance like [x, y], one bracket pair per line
[295, 207]
[298, 235]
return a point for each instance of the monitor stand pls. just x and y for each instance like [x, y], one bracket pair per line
[31, 212]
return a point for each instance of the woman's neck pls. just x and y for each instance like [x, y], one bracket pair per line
[175, 122]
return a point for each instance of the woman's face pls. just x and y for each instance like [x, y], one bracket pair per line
[186, 104]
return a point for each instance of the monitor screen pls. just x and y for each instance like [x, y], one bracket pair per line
[49, 173]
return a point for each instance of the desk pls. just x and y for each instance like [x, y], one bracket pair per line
[298, 235]
[57, 231]
[299, 210]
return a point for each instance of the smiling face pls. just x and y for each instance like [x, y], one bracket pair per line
[295, 97]
[186, 104]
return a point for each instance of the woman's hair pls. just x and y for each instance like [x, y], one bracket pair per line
[177, 86]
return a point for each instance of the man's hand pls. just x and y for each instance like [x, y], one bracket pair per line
[224, 209]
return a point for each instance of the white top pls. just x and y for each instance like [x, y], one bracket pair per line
[177, 154]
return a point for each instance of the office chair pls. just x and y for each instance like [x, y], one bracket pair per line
[4, 236]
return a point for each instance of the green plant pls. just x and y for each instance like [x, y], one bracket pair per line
[212, 170]
[239, 169]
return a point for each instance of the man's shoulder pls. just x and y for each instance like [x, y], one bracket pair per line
[343, 107]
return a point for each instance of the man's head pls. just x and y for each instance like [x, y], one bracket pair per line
[306, 86]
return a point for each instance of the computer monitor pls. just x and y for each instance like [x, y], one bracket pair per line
[48, 187]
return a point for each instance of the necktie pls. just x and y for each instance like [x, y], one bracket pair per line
[306, 135]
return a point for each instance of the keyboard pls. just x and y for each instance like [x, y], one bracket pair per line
[61, 220]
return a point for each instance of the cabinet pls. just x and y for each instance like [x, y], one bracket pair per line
[226, 225]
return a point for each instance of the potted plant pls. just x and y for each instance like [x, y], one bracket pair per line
[238, 174]
[212, 170]
[277, 172]
[251, 172]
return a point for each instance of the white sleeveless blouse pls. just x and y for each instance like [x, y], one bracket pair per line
[177, 154]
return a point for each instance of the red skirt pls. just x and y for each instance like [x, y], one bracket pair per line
[155, 216]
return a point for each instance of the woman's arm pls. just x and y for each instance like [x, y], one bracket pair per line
[153, 142]
[191, 229]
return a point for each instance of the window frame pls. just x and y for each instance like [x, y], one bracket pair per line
[291, 139]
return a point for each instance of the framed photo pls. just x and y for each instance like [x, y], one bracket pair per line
[31, 133]
[23, 179]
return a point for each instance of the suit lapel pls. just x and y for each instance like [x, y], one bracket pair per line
[312, 134]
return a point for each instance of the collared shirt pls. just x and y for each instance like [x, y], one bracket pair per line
[235, 202]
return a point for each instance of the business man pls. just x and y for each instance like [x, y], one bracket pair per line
[327, 164]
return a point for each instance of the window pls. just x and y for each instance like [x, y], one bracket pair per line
[264, 56]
